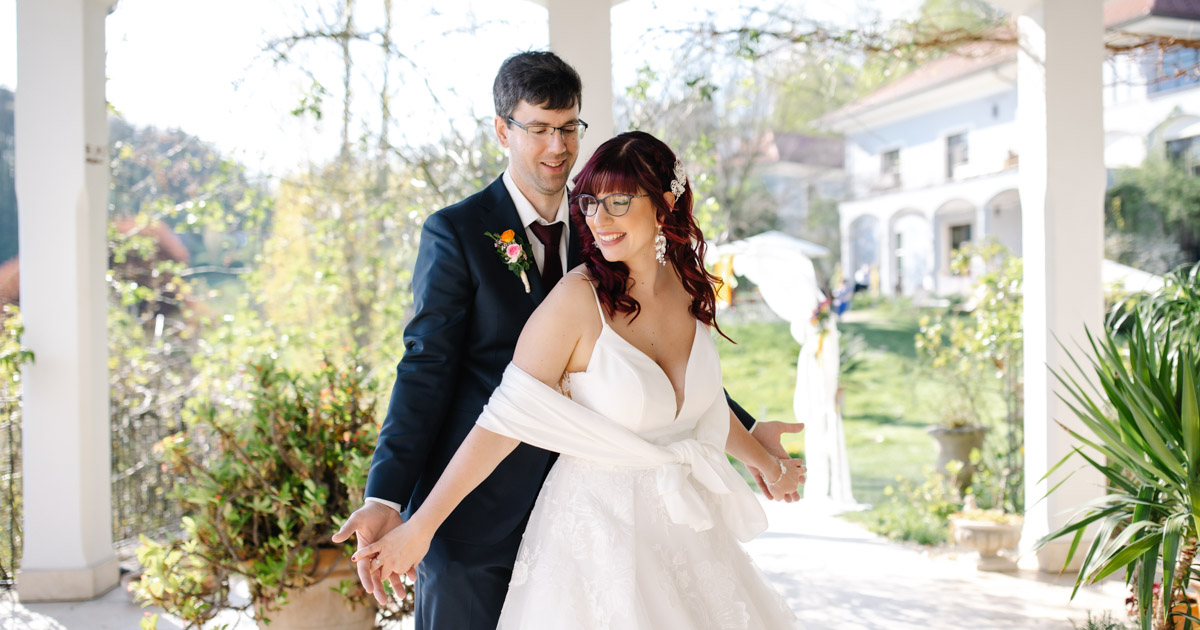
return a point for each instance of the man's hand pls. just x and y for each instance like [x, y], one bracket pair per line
[398, 552]
[768, 434]
[368, 524]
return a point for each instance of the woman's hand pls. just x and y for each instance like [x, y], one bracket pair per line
[769, 434]
[787, 478]
[398, 552]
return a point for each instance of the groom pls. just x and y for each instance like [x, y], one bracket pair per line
[469, 310]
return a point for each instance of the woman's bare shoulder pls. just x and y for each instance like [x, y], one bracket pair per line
[572, 297]
[581, 270]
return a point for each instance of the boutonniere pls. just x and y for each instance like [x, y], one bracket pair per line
[512, 251]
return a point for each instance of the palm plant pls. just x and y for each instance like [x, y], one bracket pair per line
[1175, 307]
[1142, 414]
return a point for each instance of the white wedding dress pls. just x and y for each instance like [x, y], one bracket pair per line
[637, 524]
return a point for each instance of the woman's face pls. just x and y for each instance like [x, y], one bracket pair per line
[629, 236]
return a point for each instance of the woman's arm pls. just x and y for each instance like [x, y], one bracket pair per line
[779, 480]
[545, 350]
[742, 445]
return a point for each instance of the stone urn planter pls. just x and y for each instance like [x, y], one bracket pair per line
[321, 607]
[955, 444]
[989, 532]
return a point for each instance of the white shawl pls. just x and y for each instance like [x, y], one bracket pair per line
[527, 409]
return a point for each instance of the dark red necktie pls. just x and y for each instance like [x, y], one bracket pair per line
[550, 236]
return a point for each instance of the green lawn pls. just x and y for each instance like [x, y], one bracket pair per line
[889, 400]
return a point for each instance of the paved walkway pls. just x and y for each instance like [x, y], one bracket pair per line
[835, 575]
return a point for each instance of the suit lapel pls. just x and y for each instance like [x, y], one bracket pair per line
[502, 216]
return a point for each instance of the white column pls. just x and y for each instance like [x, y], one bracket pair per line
[62, 195]
[887, 260]
[983, 220]
[1060, 122]
[581, 33]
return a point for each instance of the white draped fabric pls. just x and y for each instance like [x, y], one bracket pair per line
[815, 403]
[788, 283]
[527, 409]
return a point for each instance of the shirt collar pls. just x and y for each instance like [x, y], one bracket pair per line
[526, 210]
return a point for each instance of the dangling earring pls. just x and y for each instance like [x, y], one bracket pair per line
[660, 247]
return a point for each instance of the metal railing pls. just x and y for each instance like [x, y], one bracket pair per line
[139, 481]
[146, 407]
[10, 488]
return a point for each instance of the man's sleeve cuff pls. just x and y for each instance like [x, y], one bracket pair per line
[391, 504]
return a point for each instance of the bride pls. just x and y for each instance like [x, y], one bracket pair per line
[638, 522]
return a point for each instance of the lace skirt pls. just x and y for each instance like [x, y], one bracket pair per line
[600, 552]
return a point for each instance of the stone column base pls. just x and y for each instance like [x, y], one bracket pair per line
[1050, 558]
[58, 585]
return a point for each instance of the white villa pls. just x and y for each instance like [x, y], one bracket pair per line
[933, 158]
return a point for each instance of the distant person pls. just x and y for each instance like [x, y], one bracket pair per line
[862, 278]
[842, 298]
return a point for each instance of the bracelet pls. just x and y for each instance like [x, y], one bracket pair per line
[782, 472]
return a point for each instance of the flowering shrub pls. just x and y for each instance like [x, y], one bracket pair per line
[280, 474]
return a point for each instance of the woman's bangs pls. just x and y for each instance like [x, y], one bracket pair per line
[607, 181]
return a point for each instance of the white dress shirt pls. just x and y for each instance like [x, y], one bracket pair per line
[529, 215]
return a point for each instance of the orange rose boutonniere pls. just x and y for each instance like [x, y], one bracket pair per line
[512, 251]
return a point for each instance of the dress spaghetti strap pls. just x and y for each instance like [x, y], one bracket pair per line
[599, 307]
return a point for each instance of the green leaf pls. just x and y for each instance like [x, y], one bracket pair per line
[1170, 556]
[1130, 553]
[1145, 586]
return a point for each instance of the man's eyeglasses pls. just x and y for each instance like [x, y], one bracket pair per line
[570, 132]
[616, 204]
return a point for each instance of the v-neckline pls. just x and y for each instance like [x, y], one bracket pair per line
[687, 366]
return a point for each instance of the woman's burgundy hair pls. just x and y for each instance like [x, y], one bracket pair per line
[633, 161]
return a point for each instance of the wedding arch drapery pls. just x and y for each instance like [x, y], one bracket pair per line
[782, 268]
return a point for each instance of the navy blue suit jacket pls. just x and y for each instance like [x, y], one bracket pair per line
[469, 310]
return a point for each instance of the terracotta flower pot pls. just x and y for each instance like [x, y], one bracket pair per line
[1190, 609]
[319, 606]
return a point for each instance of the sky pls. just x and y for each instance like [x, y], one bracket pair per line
[198, 65]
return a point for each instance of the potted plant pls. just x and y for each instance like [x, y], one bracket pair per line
[979, 351]
[262, 487]
[956, 438]
[989, 532]
[1145, 426]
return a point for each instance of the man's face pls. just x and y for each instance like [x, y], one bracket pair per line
[539, 165]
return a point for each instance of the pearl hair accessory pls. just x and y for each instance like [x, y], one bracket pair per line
[680, 181]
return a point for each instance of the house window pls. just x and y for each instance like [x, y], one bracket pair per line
[956, 153]
[1186, 153]
[959, 235]
[1179, 67]
[889, 169]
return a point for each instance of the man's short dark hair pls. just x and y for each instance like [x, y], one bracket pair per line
[540, 78]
